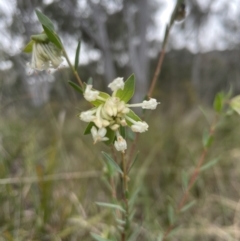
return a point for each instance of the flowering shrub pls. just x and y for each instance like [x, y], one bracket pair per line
[112, 112]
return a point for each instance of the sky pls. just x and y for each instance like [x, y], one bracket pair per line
[210, 37]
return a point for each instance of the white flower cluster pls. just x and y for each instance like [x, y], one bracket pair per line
[45, 56]
[113, 113]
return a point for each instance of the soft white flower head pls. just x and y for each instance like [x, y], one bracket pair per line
[235, 104]
[87, 116]
[139, 126]
[116, 84]
[99, 135]
[89, 94]
[111, 106]
[150, 104]
[45, 56]
[120, 144]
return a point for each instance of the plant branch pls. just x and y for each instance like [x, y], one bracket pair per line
[125, 194]
[192, 181]
[72, 68]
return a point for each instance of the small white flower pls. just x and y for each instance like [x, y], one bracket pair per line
[87, 116]
[150, 104]
[139, 126]
[99, 135]
[116, 84]
[45, 55]
[89, 94]
[115, 127]
[120, 144]
[146, 104]
[235, 104]
[111, 106]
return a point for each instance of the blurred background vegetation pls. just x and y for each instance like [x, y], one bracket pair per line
[51, 175]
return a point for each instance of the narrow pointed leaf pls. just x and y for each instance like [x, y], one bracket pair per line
[218, 102]
[99, 238]
[77, 55]
[112, 162]
[53, 37]
[88, 128]
[75, 86]
[133, 116]
[135, 234]
[28, 48]
[110, 205]
[209, 164]
[188, 206]
[171, 215]
[90, 81]
[129, 88]
[99, 102]
[40, 37]
[134, 160]
[44, 20]
[184, 179]
[111, 136]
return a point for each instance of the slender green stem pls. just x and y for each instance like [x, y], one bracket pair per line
[72, 68]
[125, 194]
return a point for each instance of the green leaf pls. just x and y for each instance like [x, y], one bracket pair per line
[110, 205]
[129, 87]
[133, 116]
[218, 102]
[75, 86]
[53, 37]
[99, 102]
[40, 37]
[99, 238]
[204, 113]
[112, 162]
[135, 234]
[111, 136]
[122, 131]
[207, 139]
[28, 48]
[134, 160]
[171, 215]
[209, 164]
[184, 179]
[44, 20]
[90, 81]
[77, 55]
[88, 128]
[188, 206]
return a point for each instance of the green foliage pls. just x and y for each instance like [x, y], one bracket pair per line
[110, 205]
[171, 214]
[188, 206]
[219, 102]
[77, 55]
[209, 164]
[76, 87]
[99, 238]
[28, 47]
[99, 102]
[49, 29]
[133, 116]
[207, 139]
[44, 20]
[129, 87]
[113, 164]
